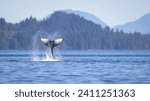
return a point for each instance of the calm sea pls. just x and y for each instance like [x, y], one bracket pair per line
[75, 67]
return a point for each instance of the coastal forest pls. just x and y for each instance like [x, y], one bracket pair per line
[78, 34]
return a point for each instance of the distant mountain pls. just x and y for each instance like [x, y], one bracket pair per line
[85, 15]
[140, 25]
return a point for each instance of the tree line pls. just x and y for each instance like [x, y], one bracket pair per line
[77, 32]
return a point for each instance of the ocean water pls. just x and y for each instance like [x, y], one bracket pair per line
[75, 67]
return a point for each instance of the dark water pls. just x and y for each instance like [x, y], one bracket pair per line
[108, 67]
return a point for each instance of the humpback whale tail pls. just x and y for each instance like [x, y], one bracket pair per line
[51, 44]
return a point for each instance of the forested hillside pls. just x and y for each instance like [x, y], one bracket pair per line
[77, 32]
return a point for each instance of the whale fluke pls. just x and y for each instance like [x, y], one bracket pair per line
[51, 44]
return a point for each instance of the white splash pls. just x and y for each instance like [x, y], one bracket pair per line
[46, 57]
[40, 55]
[49, 58]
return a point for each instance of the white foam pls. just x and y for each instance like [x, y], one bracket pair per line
[46, 58]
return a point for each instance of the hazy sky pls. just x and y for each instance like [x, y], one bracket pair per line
[112, 12]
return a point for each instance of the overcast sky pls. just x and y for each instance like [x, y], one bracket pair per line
[112, 12]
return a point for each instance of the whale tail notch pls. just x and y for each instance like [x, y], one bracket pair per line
[51, 44]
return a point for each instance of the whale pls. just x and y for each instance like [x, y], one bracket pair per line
[51, 44]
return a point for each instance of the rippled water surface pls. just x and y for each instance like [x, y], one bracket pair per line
[113, 67]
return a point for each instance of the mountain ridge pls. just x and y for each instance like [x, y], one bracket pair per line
[78, 34]
[140, 25]
[85, 15]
